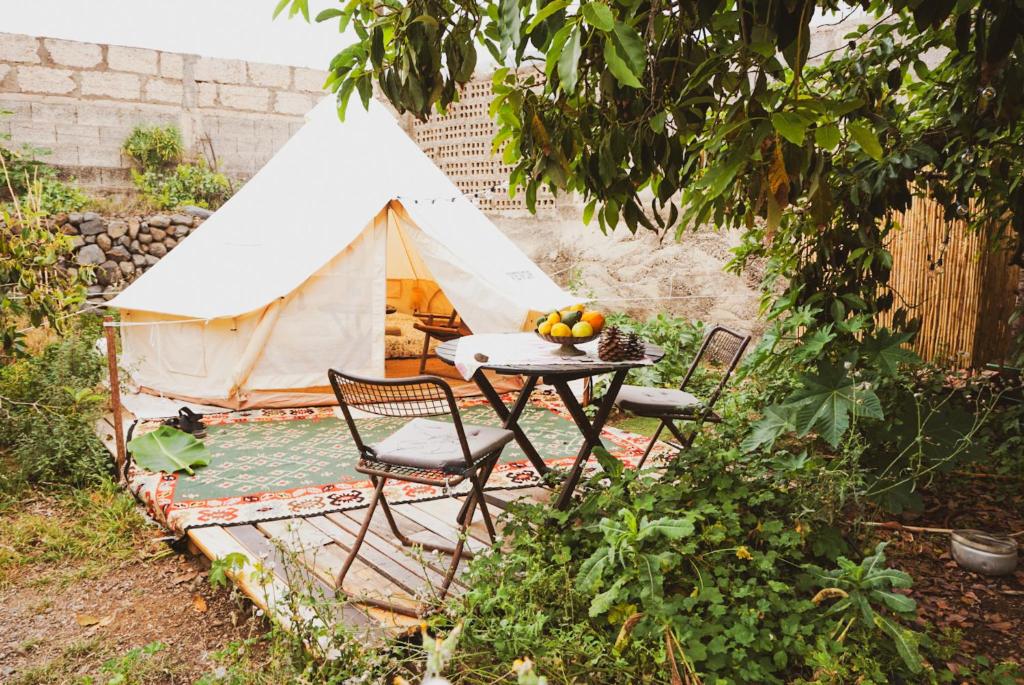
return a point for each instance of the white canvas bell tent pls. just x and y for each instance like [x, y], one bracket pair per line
[291, 276]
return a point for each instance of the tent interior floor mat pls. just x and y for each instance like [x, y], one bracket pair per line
[273, 464]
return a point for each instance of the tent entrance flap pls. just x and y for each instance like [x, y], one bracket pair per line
[411, 287]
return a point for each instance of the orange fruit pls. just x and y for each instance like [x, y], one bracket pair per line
[595, 319]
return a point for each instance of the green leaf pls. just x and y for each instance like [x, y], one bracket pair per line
[280, 7]
[604, 601]
[716, 179]
[328, 14]
[885, 350]
[895, 601]
[168, 449]
[569, 61]
[903, 639]
[827, 136]
[546, 12]
[866, 137]
[673, 529]
[791, 126]
[658, 122]
[588, 212]
[827, 401]
[612, 467]
[509, 22]
[555, 49]
[631, 47]
[598, 15]
[617, 65]
[777, 421]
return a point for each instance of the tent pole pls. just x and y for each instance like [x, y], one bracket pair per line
[115, 396]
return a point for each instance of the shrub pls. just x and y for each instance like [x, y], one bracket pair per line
[35, 287]
[189, 184]
[154, 147]
[163, 179]
[49, 404]
[33, 182]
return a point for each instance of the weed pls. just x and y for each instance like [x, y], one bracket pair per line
[60, 536]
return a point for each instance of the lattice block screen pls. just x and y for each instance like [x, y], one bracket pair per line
[460, 144]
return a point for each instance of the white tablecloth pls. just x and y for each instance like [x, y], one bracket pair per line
[521, 349]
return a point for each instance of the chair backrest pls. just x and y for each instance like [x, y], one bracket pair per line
[411, 397]
[724, 347]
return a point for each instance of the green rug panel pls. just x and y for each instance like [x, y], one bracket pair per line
[255, 457]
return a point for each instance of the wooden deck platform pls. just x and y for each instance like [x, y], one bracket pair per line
[306, 552]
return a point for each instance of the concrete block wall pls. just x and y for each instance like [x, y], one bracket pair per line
[81, 100]
[460, 143]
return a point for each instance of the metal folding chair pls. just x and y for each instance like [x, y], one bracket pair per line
[723, 347]
[438, 453]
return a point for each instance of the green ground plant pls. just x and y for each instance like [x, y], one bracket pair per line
[49, 404]
[163, 178]
[31, 181]
[36, 285]
[83, 533]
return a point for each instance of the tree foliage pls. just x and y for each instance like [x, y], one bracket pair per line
[667, 114]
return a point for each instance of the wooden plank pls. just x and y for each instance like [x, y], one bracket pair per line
[390, 550]
[268, 593]
[104, 429]
[325, 558]
[286, 569]
[381, 563]
[435, 521]
[448, 509]
[537, 495]
[385, 541]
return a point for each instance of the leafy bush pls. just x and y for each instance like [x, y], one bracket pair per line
[680, 339]
[35, 286]
[163, 179]
[154, 147]
[33, 182]
[48, 406]
[710, 569]
[188, 184]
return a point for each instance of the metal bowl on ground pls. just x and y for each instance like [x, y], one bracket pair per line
[986, 553]
[568, 343]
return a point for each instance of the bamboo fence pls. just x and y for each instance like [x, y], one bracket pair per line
[962, 289]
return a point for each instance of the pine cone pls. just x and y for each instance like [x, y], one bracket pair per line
[634, 347]
[612, 345]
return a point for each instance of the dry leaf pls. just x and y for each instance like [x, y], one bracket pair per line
[86, 620]
[198, 603]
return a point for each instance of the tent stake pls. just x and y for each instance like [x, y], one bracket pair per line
[115, 396]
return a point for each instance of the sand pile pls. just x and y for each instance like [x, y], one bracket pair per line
[640, 274]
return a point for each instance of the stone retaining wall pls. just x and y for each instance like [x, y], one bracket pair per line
[122, 248]
[81, 100]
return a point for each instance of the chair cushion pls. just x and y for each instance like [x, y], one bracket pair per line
[657, 401]
[426, 444]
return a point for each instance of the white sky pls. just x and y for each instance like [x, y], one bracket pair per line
[239, 29]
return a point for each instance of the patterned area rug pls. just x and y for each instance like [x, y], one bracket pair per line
[272, 464]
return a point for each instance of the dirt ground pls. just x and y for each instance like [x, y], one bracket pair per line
[52, 634]
[986, 613]
[640, 274]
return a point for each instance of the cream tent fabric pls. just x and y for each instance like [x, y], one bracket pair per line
[291, 275]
